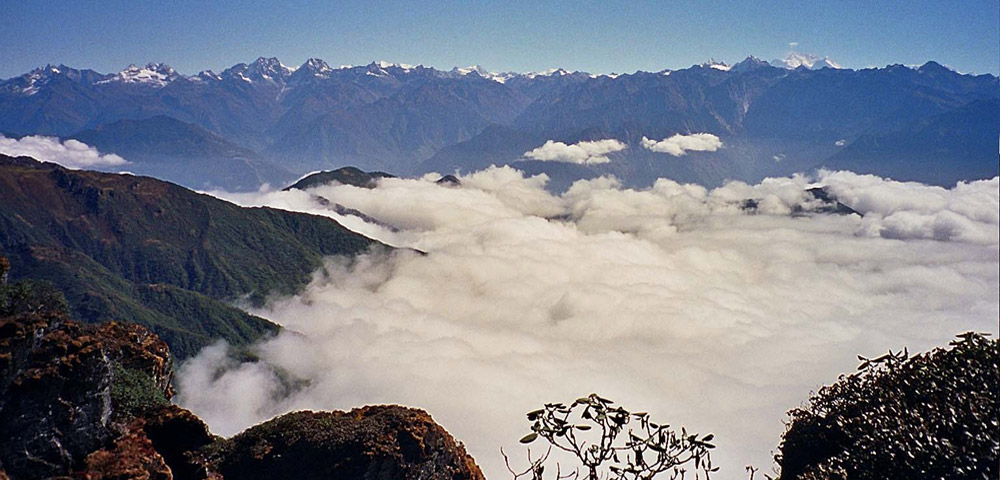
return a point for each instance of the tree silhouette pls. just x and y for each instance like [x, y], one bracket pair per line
[612, 443]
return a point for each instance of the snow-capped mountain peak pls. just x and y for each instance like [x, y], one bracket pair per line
[29, 83]
[717, 65]
[156, 75]
[749, 63]
[499, 77]
[312, 70]
[206, 76]
[386, 65]
[316, 67]
[267, 70]
[270, 68]
[808, 60]
[552, 72]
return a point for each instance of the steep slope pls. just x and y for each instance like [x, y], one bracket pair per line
[495, 145]
[169, 149]
[942, 149]
[397, 132]
[829, 105]
[156, 252]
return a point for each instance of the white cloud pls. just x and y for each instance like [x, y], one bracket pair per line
[678, 144]
[669, 299]
[70, 154]
[585, 152]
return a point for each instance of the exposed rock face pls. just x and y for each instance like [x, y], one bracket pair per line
[66, 389]
[370, 443]
[131, 456]
[91, 402]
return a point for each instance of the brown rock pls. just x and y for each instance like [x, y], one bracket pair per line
[131, 457]
[176, 433]
[369, 443]
[67, 389]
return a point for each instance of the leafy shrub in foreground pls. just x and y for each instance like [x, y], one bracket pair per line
[933, 415]
[591, 429]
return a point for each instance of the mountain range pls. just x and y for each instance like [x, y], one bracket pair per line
[265, 122]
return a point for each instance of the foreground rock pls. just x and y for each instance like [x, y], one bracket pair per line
[92, 402]
[66, 389]
[382, 442]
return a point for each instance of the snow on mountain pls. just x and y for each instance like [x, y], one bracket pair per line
[808, 60]
[316, 67]
[261, 70]
[32, 82]
[35, 79]
[206, 76]
[156, 75]
[403, 66]
[552, 72]
[749, 63]
[713, 63]
[499, 77]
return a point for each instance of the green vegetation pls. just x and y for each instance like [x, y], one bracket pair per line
[142, 250]
[589, 429]
[134, 392]
[933, 415]
[31, 297]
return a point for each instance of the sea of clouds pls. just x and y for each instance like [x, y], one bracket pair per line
[671, 300]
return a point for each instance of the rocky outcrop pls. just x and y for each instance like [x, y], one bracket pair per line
[370, 443]
[92, 402]
[67, 389]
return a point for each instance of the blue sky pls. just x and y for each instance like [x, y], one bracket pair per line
[600, 37]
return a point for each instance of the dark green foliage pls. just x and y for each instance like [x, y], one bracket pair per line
[139, 249]
[31, 297]
[934, 415]
[133, 392]
[589, 430]
[186, 320]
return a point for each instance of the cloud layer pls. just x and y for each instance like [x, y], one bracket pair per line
[70, 154]
[678, 144]
[585, 152]
[671, 300]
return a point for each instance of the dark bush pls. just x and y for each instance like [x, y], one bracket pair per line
[612, 443]
[933, 415]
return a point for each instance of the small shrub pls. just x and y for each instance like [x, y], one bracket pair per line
[591, 429]
[134, 392]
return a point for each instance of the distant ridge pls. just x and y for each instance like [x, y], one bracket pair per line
[264, 122]
[123, 246]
